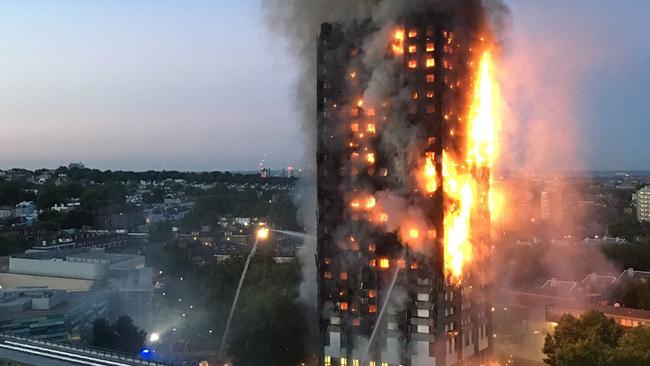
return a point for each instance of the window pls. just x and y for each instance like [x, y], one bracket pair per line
[423, 297]
[384, 364]
[327, 361]
[423, 313]
[344, 361]
[413, 48]
[327, 275]
[424, 329]
[372, 363]
[355, 362]
[430, 78]
[344, 276]
[431, 109]
[431, 62]
[412, 64]
[429, 93]
[327, 85]
[372, 294]
[343, 306]
[370, 112]
[354, 127]
[372, 309]
[413, 33]
[430, 47]
[354, 112]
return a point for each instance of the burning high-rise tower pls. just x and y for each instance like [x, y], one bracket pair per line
[405, 149]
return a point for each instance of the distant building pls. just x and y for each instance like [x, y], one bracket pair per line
[129, 282]
[643, 204]
[43, 313]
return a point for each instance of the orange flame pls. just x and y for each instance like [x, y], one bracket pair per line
[461, 176]
[398, 42]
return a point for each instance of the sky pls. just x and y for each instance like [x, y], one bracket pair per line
[202, 85]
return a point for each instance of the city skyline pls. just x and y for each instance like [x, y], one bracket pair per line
[206, 86]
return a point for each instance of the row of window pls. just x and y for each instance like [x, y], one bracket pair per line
[354, 362]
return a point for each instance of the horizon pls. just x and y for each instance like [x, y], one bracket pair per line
[199, 87]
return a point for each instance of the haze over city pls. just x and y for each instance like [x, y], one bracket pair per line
[325, 183]
[203, 85]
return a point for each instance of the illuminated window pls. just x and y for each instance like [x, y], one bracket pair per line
[384, 263]
[327, 361]
[371, 128]
[430, 78]
[414, 265]
[414, 95]
[354, 127]
[384, 364]
[446, 64]
[429, 93]
[327, 260]
[344, 361]
[355, 362]
[413, 33]
[447, 49]
[343, 306]
[430, 47]
[370, 112]
[430, 62]
[354, 112]
[383, 172]
[372, 262]
[372, 247]
[344, 275]
[327, 275]
[372, 294]
[356, 322]
[413, 64]
[413, 48]
[372, 363]
[372, 309]
[383, 217]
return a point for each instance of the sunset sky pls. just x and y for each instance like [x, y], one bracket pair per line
[203, 85]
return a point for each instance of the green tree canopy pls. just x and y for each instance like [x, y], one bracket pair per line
[121, 336]
[595, 340]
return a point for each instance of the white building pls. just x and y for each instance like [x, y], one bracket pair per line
[643, 204]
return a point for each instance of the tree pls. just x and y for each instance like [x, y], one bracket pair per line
[103, 334]
[129, 338]
[634, 348]
[268, 325]
[13, 245]
[594, 339]
[121, 336]
[633, 294]
[587, 341]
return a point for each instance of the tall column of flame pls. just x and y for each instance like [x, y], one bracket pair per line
[460, 174]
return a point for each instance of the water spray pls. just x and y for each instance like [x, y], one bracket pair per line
[262, 234]
[381, 312]
[295, 234]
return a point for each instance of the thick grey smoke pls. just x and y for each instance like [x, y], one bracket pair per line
[299, 22]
